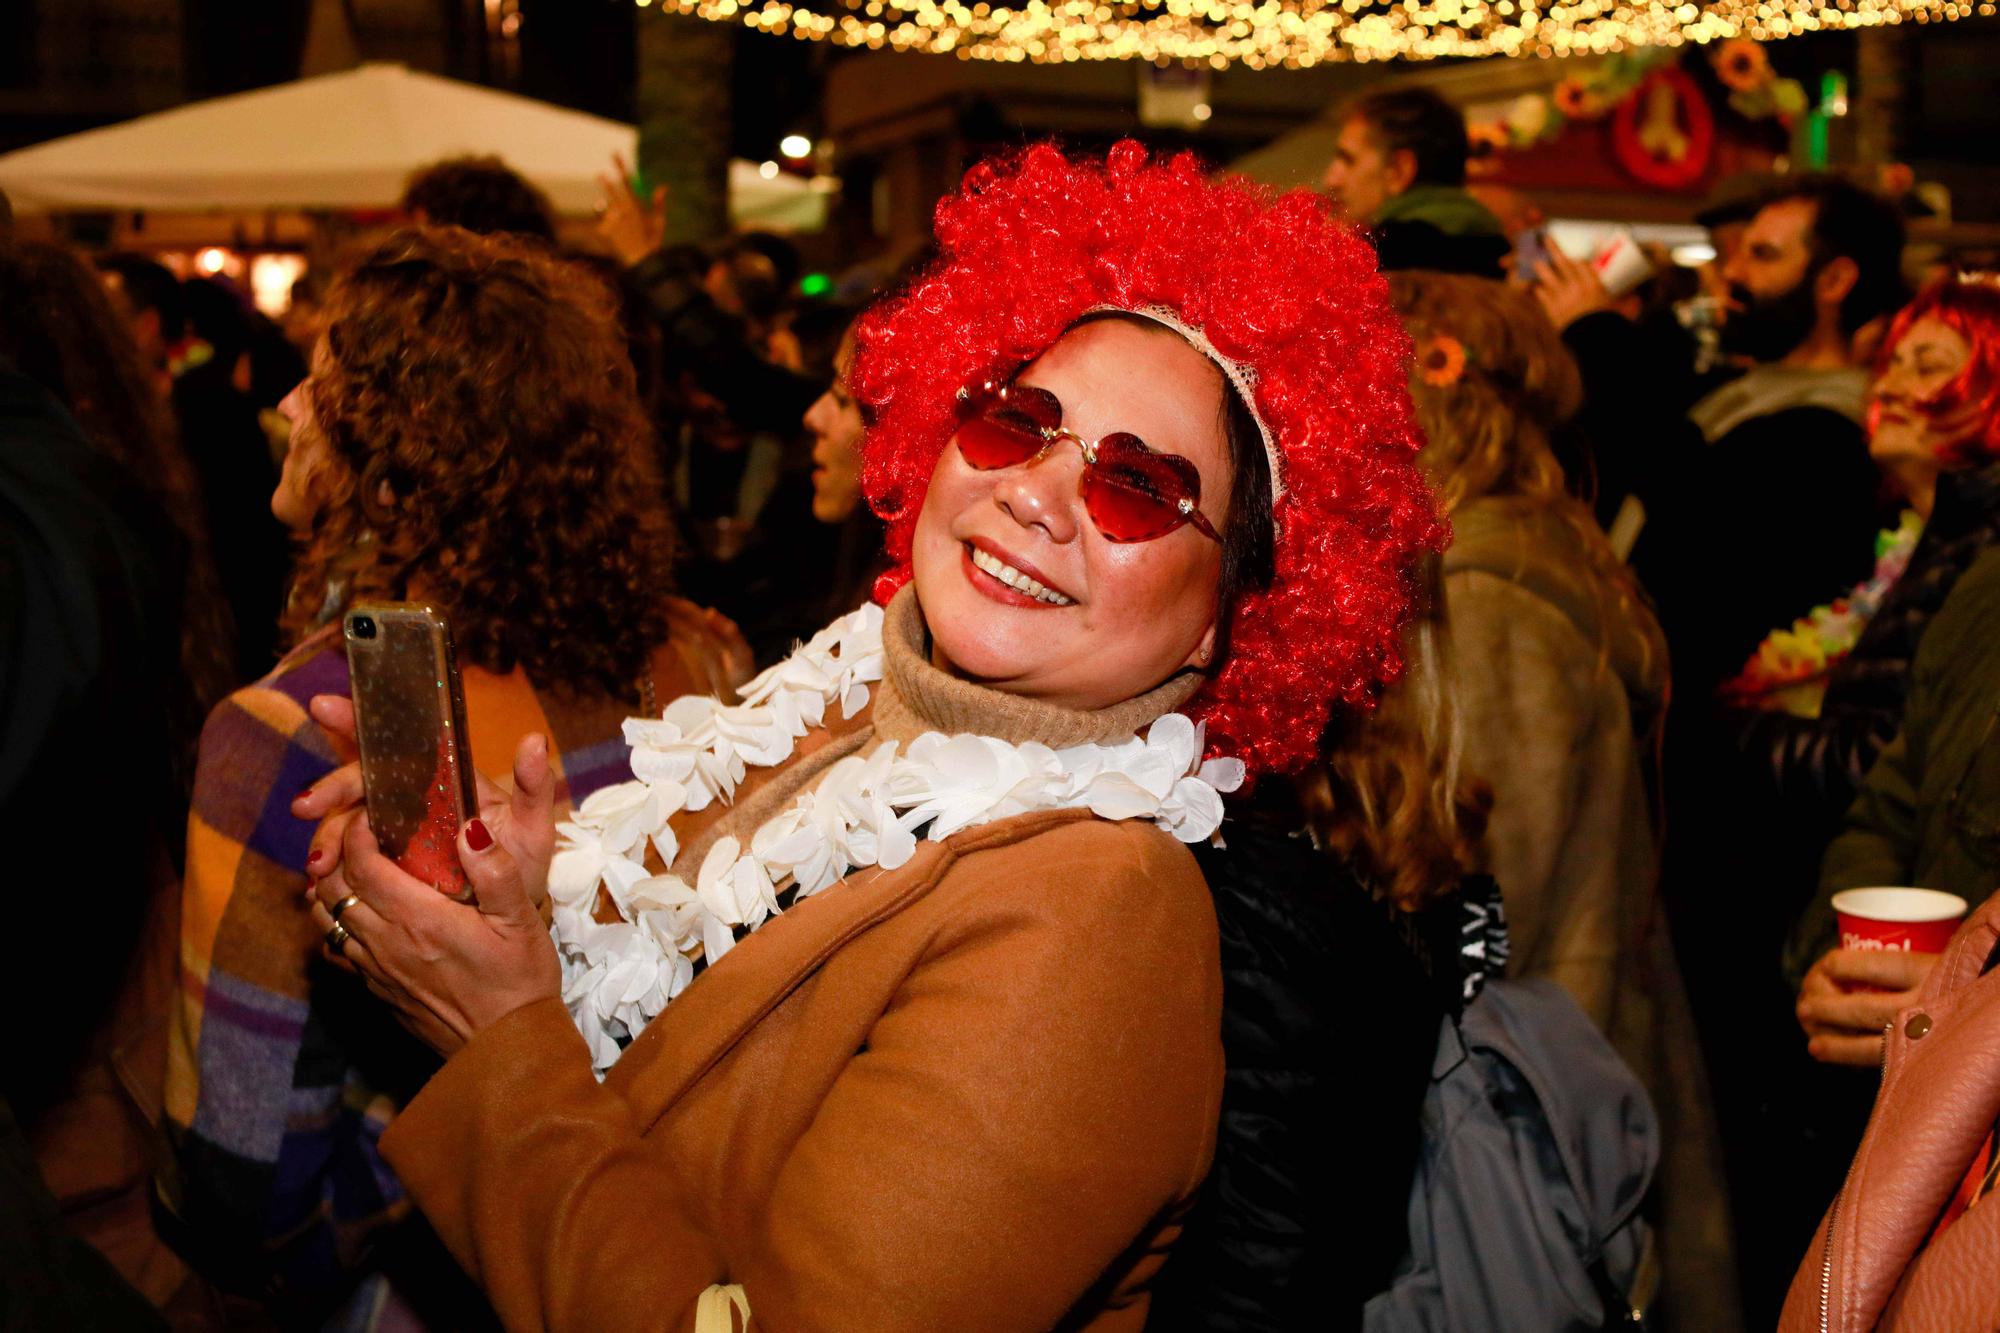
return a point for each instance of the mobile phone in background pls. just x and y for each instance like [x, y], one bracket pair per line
[409, 714]
[1531, 251]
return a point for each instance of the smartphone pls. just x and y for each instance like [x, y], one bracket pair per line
[1531, 251]
[409, 714]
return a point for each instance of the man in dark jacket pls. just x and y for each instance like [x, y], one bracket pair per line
[1398, 171]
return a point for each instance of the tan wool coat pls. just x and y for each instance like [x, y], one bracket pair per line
[974, 1092]
[1554, 691]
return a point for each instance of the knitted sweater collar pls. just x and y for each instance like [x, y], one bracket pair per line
[916, 696]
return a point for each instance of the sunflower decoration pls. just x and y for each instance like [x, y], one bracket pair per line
[1895, 179]
[1743, 66]
[1441, 361]
[1577, 100]
[1487, 138]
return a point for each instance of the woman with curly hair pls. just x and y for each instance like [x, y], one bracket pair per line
[889, 999]
[469, 435]
[1559, 679]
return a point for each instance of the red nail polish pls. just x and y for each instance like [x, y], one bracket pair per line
[313, 859]
[303, 793]
[476, 836]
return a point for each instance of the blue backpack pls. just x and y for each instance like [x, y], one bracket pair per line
[1538, 1148]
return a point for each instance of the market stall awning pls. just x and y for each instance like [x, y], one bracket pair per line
[338, 141]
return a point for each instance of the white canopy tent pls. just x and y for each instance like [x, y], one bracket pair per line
[338, 141]
[343, 141]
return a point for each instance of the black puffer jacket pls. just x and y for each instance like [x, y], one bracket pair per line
[1329, 1025]
[1816, 764]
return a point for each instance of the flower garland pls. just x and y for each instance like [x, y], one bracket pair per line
[1802, 654]
[1755, 90]
[1741, 66]
[866, 810]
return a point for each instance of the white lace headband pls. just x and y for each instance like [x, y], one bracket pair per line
[1240, 375]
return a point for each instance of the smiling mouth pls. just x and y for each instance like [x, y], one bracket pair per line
[994, 567]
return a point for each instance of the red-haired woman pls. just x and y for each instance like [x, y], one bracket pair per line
[951, 1060]
[1935, 429]
[469, 435]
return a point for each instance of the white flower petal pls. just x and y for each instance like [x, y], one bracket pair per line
[1116, 796]
[1225, 775]
[692, 712]
[898, 845]
[1197, 810]
[1174, 733]
[574, 872]
[716, 939]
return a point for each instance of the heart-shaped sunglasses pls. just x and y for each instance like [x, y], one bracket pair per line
[1131, 492]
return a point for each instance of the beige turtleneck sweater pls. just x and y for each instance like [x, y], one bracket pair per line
[915, 697]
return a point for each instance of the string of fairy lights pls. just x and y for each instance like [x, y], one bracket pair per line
[1293, 34]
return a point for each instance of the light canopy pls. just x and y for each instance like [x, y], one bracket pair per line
[1296, 33]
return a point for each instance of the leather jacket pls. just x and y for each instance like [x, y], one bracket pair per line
[1874, 1263]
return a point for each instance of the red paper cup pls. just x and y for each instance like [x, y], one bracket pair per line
[1909, 920]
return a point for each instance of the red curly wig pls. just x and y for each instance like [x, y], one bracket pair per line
[1031, 243]
[1969, 304]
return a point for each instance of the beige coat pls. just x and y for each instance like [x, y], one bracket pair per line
[975, 1092]
[1547, 694]
[1553, 695]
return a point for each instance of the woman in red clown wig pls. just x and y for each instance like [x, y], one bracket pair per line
[888, 996]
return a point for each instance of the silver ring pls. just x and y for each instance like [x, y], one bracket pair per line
[333, 912]
[338, 937]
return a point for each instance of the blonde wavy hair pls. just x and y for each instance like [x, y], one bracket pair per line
[1492, 381]
[1389, 796]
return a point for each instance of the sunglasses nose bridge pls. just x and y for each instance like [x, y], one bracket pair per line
[1055, 435]
[1044, 491]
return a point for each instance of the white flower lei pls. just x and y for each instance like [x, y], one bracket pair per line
[864, 811]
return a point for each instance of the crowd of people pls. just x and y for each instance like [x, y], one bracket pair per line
[1108, 683]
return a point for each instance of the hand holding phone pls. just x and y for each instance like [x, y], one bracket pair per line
[1531, 252]
[410, 724]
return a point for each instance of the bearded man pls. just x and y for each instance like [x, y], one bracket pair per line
[1775, 515]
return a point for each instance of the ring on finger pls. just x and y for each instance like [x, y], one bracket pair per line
[334, 911]
[337, 938]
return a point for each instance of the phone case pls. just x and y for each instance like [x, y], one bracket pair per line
[410, 718]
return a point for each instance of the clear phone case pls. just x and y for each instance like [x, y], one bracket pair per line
[410, 717]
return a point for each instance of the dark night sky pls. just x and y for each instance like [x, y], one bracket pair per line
[578, 53]
[571, 50]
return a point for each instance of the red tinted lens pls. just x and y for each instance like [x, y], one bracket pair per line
[1037, 405]
[1003, 428]
[987, 443]
[1134, 494]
